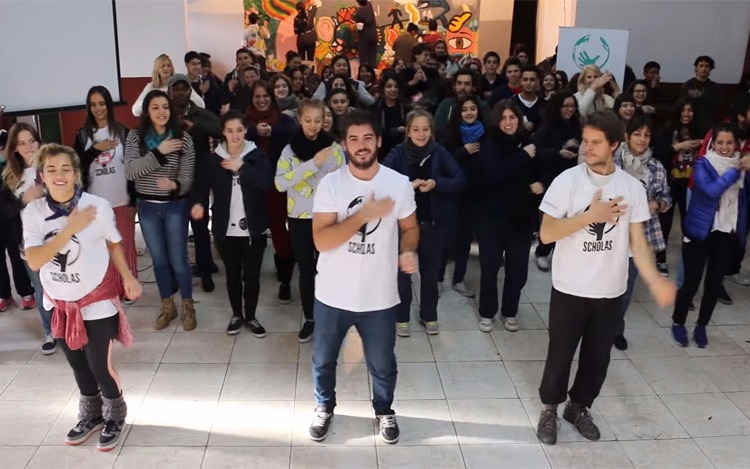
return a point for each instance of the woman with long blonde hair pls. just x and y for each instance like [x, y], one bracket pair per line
[163, 69]
[591, 94]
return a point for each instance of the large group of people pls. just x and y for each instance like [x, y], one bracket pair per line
[361, 182]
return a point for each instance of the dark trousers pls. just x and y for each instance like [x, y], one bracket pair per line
[90, 364]
[431, 243]
[242, 261]
[738, 252]
[204, 261]
[306, 52]
[459, 235]
[378, 340]
[573, 319]
[282, 246]
[10, 241]
[678, 189]
[367, 51]
[303, 247]
[711, 255]
[498, 240]
[632, 276]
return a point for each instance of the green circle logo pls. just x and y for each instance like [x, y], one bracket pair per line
[591, 52]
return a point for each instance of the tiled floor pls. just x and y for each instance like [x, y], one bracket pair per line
[464, 398]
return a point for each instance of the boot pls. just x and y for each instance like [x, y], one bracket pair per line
[188, 315]
[168, 312]
[114, 412]
[89, 419]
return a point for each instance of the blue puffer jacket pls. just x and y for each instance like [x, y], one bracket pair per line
[707, 190]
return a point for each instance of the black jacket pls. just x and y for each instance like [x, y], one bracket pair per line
[87, 157]
[549, 140]
[205, 124]
[10, 205]
[255, 177]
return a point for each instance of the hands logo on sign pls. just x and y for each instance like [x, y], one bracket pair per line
[588, 52]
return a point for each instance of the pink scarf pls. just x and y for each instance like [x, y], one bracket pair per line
[67, 321]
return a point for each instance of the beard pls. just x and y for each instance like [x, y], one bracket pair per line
[367, 163]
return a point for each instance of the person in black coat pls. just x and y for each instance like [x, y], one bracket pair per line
[557, 142]
[239, 174]
[390, 111]
[503, 175]
[436, 177]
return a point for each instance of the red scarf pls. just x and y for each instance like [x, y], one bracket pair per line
[67, 321]
[271, 117]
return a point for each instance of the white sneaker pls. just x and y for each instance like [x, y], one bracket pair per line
[463, 290]
[485, 325]
[511, 324]
[740, 279]
[543, 263]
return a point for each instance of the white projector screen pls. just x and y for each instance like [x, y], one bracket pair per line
[54, 51]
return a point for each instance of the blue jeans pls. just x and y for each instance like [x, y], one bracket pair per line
[378, 332]
[36, 282]
[165, 229]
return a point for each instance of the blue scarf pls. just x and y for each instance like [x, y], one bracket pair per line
[471, 133]
[63, 209]
[152, 140]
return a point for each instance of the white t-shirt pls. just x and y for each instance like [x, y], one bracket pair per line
[107, 172]
[81, 265]
[593, 262]
[361, 274]
[237, 225]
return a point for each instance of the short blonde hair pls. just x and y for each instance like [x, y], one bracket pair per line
[53, 149]
[419, 112]
[158, 62]
[311, 104]
[582, 76]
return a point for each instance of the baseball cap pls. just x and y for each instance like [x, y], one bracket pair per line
[178, 77]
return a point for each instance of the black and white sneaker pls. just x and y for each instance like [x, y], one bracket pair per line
[320, 424]
[235, 324]
[110, 435]
[82, 431]
[389, 431]
[306, 333]
[49, 345]
[285, 293]
[255, 328]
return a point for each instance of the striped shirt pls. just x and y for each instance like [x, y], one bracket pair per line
[147, 168]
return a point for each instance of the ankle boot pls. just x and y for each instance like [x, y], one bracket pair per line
[188, 315]
[168, 313]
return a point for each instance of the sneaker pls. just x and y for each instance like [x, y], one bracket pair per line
[580, 417]
[207, 284]
[306, 333]
[82, 431]
[679, 334]
[389, 431]
[255, 328]
[285, 293]
[127, 302]
[431, 327]
[28, 302]
[235, 324]
[402, 329]
[463, 290]
[485, 325]
[49, 345]
[110, 435]
[621, 343]
[320, 424]
[543, 263]
[4, 304]
[724, 297]
[511, 324]
[663, 269]
[699, 336]
[546, 429]
[740, 279]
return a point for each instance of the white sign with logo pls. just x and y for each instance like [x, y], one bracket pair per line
[605, 48]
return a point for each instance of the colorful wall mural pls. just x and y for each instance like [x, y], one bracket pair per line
[458, 21]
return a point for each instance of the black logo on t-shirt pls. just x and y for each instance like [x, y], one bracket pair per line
[64, 259]
[599, 230]
[362, 247]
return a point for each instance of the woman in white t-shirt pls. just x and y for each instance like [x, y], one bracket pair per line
[70, 237]
[100, 146]
[163, 69]
[22, 179]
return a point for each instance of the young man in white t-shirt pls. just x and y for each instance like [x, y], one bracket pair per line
[365, 227]
[595, 213]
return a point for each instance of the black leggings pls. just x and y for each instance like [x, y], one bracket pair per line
[242, 261]
[10, 241]
[678, 188]
[91, 365]
[303, 248]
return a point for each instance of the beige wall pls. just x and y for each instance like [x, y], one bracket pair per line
[215, 27]
[495, 23]
[551, 14]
